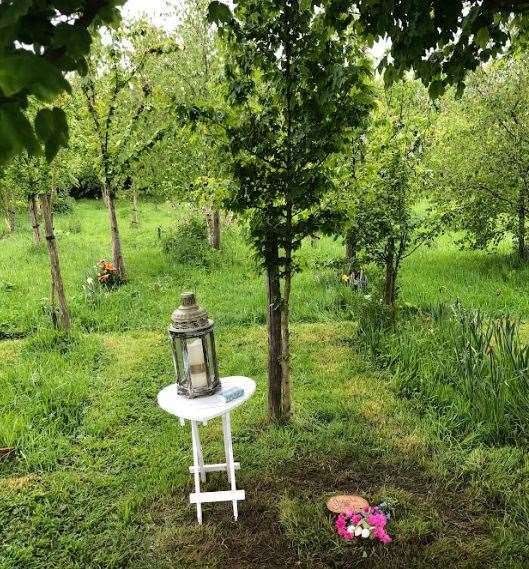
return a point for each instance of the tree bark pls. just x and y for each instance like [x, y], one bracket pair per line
[10, 216]
[274, 338]
[33, 217]
[349, 248]
[390, 277]
[522, 249]
[135, 219]
[117, 255]
[215, 230]
[57, 286]
[11, 220]
[286, 399]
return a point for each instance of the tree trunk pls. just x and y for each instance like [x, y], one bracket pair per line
[10, 217]
[33, 217]
[117, 255]
[349, 248]
[286, 399]
[135, 218]
[390, 278]
[522, 249]
[215, 229]
[274, 338]
[57, 286]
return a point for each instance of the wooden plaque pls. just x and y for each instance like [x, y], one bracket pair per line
[346, 503]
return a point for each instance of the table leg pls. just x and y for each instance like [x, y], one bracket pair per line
[196, 460]
[200, 455]
[230, 466]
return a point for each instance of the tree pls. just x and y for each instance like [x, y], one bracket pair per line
[487, 192]
[119, 96]
[385, 226]
[36, 178]
[198, 73]
[297, 86]
[9, 196]
[40, 41]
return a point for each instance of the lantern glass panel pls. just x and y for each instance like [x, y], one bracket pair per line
[197, 363]
[211, 357]
[178, 359]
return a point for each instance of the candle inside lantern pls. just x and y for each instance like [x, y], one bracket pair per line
[197, 363]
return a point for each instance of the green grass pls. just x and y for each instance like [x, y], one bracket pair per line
[491, 280]
[99, 478]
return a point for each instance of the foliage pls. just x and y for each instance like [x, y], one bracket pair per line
[39, 43]
[487, 193]
[188, 243]
[440, 41]
[384, 226]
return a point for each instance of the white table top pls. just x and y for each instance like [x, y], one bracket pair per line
[204, 408]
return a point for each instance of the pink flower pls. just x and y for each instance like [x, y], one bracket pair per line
[356, 518]
[380, 534]
[377, 520]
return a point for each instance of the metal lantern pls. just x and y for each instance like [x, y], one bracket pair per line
[193, 343]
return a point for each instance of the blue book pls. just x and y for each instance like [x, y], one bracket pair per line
[231, 393]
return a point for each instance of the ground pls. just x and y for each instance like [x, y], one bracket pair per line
[99, 477]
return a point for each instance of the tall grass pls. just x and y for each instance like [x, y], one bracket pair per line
[473, 370]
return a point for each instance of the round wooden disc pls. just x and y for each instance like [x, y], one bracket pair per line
[346, 503]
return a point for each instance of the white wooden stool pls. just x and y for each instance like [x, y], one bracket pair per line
[201, 410]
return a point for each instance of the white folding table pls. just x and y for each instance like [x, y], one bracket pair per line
[201, 410]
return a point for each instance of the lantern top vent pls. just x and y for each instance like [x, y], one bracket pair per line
[189, 316]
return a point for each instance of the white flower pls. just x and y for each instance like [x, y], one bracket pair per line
[351, 528]
[90, 280]
[358, 531]
[366, 532]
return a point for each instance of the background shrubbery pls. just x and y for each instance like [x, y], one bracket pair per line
[187, 243]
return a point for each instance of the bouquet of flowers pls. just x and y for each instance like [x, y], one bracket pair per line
[107, 275]
[370, 523]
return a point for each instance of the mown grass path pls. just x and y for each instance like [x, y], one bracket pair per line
[111, 489]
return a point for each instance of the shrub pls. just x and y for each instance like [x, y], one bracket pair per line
[63, 203]
[188, 243]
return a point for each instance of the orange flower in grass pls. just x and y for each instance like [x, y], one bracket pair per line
[109, 266]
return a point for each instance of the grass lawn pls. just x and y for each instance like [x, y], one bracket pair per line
[99, 478]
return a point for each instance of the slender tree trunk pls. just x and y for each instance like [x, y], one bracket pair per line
[11, 220]
[10, 216]
[274, 338]
[390, 278]
[349, 247]
[117, 255]
[56, 278]
[215, 229]
[135, 216]
[286, 398]
[522, 249]
[33, 217]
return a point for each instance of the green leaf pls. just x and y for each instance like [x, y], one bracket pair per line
[11, 13]
[436, 89]
[76, 41]
[482, 37]
[16, 132]
[31, 73]
[218, 12]
[51, 127]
